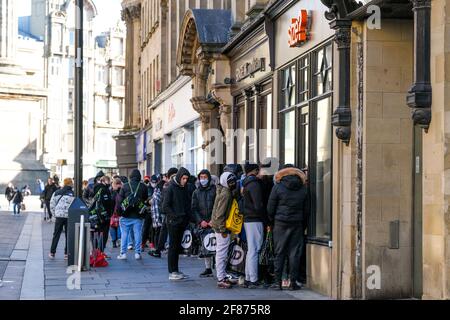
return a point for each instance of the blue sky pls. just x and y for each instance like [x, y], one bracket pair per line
[108, 12]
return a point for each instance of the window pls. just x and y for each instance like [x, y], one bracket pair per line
[115, 110]
[101, 110]
[197, 154]
[306, 131]
[288, 87]
[178, 142]
[118, 76]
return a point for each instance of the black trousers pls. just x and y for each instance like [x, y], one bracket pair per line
[147, 229]
[162, 239]
[288, 243]
[47, 205]
[101, 242]
[176, 236]
[155, 236]
[60, 224]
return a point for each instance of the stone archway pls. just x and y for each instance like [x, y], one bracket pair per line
[203, 35]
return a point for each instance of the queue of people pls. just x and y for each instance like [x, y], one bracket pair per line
[154, 211]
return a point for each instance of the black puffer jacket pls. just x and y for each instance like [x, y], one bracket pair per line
[289, 200]
[203, 200]
[49, 190]
[177, 201]
[253, 200]
[142, 193]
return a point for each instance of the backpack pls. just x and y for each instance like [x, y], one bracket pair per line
[133, 202]
[97, 212]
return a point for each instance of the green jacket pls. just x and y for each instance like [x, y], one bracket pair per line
[222, 206]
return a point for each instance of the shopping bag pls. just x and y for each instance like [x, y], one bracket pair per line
[22, 207]
[209, 243]
[114, 223]
[98, 258]
[267, 255]
[236, 257]
[187, 241]
[235, 219]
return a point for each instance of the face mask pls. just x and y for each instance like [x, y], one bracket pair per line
[153, 185]
[204, 183]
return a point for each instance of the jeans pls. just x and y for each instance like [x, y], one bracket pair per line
[127, 226]
[222, 245]
[16, 208]
[255, 237]
[176, 236]
[60, 224]
[115, 233]
[288, 243]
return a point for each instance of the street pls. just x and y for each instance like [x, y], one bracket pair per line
[29, 274]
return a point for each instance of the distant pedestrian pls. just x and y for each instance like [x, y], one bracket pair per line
[115, 226]
[49, 190]
[17, 201]
[202, 206]
[59, 205]
[177, 207]
[132, 197]
[9, 193]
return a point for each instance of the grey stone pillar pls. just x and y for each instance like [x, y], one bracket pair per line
[8, 37]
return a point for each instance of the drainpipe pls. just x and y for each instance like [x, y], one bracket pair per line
[420, 95]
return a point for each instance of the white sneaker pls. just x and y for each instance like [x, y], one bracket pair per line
[175, 276]
[122, 257]
[130, 247]
[185, 276]
[137, 256]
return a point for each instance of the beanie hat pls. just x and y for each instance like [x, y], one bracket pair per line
[249, 167]
[154, 178]
[171, 172]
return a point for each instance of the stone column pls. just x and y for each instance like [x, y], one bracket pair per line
[8, 37]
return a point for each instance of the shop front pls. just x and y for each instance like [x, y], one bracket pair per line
[304, 53]
[251, 95]
[177, 139]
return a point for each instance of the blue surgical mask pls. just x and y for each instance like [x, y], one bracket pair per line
[204, 183]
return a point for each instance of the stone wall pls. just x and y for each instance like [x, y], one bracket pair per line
[387, 157]
[436, 163]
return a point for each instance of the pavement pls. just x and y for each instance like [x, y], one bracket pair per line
[28, 274]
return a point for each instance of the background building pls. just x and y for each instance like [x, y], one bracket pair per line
[53, 21]
[23, 98]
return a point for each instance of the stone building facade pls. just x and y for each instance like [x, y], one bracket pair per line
[23, 99]
[356, 95]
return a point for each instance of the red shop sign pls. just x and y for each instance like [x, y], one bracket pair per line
[299, 30]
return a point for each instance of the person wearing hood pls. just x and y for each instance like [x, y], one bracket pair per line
[177, 207]
[221, 209]
[59, 205]
[255, 216]
[132, 219]
[287, 208]
[49, 190]
[103, 193]
[157, 203]
[88, 193]
[202, 205]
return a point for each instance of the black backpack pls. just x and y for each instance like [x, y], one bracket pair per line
[132, 202]
[97, 212]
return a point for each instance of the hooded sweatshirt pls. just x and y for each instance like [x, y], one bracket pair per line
[289, 201]
[203, 199]
[254, 209]
[133, 185]
[177, 200]
[222, 204]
